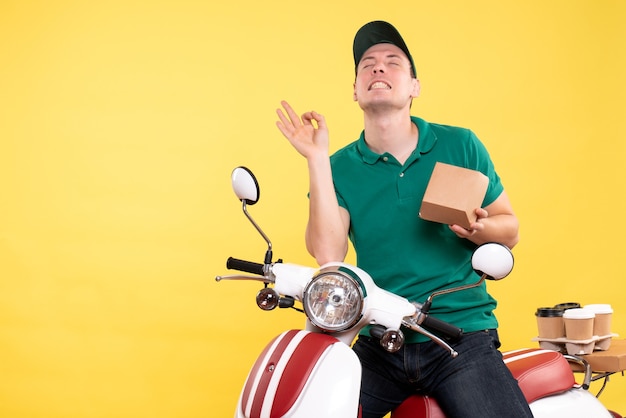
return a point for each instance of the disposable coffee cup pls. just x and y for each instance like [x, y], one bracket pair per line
[550, 323]
[578, 324]
[602, 320]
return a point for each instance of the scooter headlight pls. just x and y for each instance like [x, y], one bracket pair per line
[333, 299]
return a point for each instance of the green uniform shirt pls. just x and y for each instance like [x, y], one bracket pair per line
[402, 252]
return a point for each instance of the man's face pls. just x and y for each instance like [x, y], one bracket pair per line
[384, 78]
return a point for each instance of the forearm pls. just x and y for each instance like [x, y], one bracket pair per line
[326, 234]
[503, 228]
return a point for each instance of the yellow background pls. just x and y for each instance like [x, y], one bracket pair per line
[120, 122]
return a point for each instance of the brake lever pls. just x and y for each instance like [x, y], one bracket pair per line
[411, 324]
[244, 277]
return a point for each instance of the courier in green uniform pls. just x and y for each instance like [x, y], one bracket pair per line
[370, 193]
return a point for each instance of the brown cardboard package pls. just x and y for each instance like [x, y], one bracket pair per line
[452, 195]
[611, 360]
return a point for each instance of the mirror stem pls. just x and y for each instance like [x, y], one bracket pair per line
[268, 254]
[429, 302]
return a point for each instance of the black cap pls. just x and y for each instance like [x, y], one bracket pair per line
[378, 32]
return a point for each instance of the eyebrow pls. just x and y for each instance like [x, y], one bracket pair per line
[369, 57]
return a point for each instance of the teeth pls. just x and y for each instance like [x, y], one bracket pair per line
[379, 85]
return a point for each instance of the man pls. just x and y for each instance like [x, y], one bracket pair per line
[370, 192]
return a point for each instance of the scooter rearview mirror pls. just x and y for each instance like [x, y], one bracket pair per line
[493, 261]
[245, 185]
[247, 190]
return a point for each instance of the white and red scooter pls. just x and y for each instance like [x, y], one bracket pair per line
[313, 372]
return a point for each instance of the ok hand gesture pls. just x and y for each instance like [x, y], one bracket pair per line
[308, 138]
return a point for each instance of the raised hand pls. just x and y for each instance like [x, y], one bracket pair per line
[308, 134]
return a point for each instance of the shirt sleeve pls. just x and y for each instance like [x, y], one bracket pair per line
[484, 164]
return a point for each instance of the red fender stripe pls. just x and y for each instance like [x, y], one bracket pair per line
[265, 369]
[294, 376]
[298, 370]
[245, 395]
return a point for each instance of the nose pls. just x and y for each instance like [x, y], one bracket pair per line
[378, 68]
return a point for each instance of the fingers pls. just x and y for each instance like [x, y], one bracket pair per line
[293, 116]
[321, 122]
[462, 232]
[306, 118]
[289, 124]
[283, 129]
[283, 122]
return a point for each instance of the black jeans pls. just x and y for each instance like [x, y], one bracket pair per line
[476, 383]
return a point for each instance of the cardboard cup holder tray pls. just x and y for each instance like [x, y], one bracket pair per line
[576, 347]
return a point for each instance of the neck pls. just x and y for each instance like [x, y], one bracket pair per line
[392, 133]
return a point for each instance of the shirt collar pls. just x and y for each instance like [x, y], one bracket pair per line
[425, 143]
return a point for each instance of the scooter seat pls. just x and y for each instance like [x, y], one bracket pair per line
[539, 373]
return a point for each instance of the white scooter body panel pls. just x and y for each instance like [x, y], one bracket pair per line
[575, 403]
[302, 375]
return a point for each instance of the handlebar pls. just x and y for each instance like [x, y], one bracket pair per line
[243, 265]
[420, 321]
[439, 327]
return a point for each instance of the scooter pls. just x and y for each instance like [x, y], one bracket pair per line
[313, 372]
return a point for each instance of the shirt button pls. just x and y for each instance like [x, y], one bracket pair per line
[401, 174]
[385, 159]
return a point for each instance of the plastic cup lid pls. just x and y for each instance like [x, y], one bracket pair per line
[567, 305]
[579, 313]
[599, 308]
[546, 312]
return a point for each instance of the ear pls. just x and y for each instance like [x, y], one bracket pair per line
[354, 92]
[415, 92]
